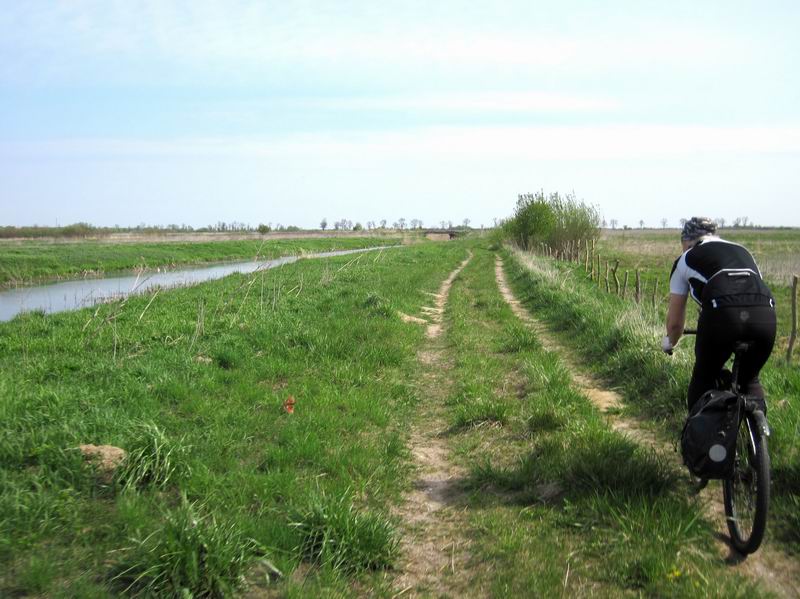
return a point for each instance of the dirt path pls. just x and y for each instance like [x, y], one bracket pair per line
[778, 572]
[434, 548]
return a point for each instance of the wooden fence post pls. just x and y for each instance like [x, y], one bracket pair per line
[616, 278]
[625, 285]
[793, 334]
[655, 292]
[586, 262]
[599, 278]
[638, 295]
[608, 289]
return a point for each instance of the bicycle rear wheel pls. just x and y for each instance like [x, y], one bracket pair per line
[746, 493]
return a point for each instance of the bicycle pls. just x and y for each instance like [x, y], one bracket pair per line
[746, 492]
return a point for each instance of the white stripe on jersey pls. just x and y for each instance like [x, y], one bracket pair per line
[679, 282]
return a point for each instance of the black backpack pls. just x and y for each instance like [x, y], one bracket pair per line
[708, 440]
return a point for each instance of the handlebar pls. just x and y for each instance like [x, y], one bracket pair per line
[685, 332]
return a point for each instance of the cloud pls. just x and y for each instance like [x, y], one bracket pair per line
[495, 102]
[488, 144]
[205, 41]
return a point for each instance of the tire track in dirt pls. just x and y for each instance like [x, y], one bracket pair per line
[777, 571]
[433, 546]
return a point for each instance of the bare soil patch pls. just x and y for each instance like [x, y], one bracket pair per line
[434, 548]
[777, 571]
[411, 319]
[105, 459]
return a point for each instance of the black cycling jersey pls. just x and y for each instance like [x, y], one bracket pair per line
[719, 273]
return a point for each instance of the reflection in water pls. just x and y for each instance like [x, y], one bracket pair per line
[73, 295]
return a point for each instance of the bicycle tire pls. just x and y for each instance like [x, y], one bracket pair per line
[746, 493]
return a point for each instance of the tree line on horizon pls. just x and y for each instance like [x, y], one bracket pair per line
[84, 229]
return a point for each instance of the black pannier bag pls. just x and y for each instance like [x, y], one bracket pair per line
[708, 441]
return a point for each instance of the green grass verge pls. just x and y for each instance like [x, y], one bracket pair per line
[219, 477]
[559, 504]
[620, 341]
[31, 261]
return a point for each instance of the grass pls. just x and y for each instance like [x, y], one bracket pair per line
[191, 554]
[335, 535]
[619, 340]
[223, 489]
[561, 505]
[26, 262]
[152, 459]
[194, 391]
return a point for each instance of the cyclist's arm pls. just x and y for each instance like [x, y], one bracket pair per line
[676, 317]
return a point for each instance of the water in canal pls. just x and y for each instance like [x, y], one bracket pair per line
[76, 294]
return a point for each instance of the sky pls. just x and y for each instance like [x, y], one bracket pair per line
[158, 112]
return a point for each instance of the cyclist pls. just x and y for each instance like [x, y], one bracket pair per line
[735, 305]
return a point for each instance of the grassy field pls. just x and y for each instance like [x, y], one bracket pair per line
[22, 263]
[195, 390]
[223, 486]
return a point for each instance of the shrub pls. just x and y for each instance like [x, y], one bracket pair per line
[532, 222]
[555, 220]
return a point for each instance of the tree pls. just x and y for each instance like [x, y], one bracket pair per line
[466, 223]
[721, 222]
[262, 228]
[614, 223]
[641, 224]
[683, 222]
[358, 227]
[383, 223]
[402, 223]
[663, 223]
[443, 224]
[323, 224]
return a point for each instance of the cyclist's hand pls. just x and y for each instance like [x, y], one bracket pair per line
[666, 345]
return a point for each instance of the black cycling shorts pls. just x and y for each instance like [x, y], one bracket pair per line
[718, 331]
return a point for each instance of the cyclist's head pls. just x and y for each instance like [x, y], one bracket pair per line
[696, 228]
